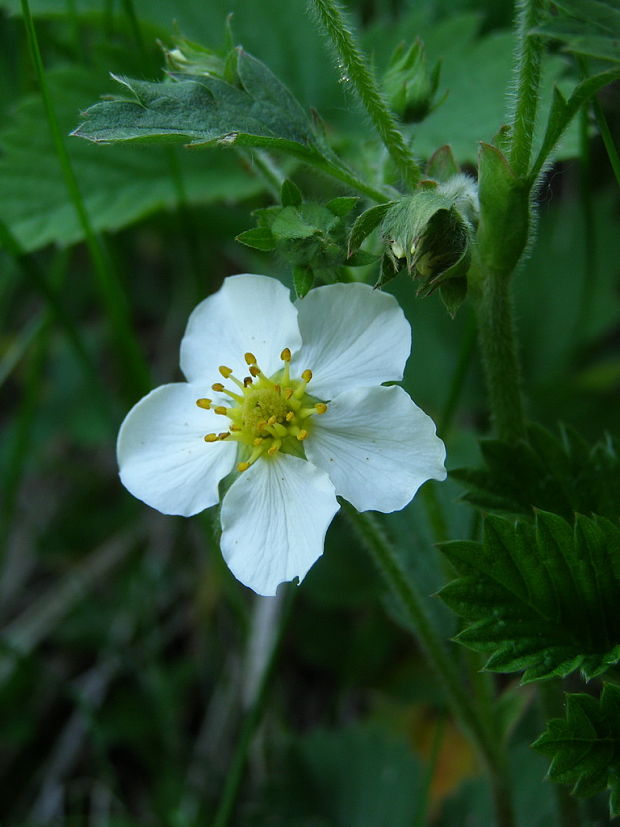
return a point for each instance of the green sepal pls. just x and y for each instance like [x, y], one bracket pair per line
[432, 231]
[584, 747]
[453, 293]
[290, 194]
[504, 212]
[540, 598]
[260, 238]
[442, 165]
[365, 223]
[342, 205]
[303, 280]
[361, 259]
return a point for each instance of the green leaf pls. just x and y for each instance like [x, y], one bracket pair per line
[290, 194]
[260, 238]
[343, 205]
[563, 475]
[585, 746]
[365, 223]
[205, 110]
[586, 27]
[303, 281]
[541, 599]
[119, 185]
[563, 111]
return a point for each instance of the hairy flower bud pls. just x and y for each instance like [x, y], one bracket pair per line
[408, 84]
[432, 231]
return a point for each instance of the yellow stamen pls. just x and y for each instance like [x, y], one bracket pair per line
[271, 420]
[235, 428]
[302, 435]
[254, 370]
[306, 376]
[321, 407]
[285, 355]
[290, 416]
[243, 466]
[288, 393]
[247, 381]
[274, 447]
[258, 441]
[211, 438]
[250, 358]
[204, 403]
[220, 409]
[277, 389]
[224, 435]
[217, 386]
[225, 371]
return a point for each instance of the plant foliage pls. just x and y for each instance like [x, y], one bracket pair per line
[584, 747]
[562, 474]
[541, 598]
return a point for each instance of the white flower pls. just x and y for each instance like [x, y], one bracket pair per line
[298, 413]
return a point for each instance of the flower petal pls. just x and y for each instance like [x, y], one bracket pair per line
[377, 446]
[353, 336]
[274, 519]
[163, 458]
[248, 313]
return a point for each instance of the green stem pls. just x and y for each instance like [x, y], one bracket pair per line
[347, 177]
[496, 332]
[529, 51]
[234, 776]
[355, 68]
[111, 291]
[457, 696]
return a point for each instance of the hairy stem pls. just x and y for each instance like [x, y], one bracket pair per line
[496, 331]
[527, 70]
[356, 70]
[402, 587]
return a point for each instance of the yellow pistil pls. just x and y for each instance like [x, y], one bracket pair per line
[267, 415]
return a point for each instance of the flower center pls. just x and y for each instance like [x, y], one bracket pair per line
[266, 414]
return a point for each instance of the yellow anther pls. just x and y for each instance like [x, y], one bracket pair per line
[250, 358]
[220, 409]
[224, 435]
[247, 381]
[302, 435]
[217, 386]
[277, 389]
[254, 370]
[243, 466]
[288, 393]
[306, 375]
[258, 441]
[204, 403]
[211, 438]
[235, 428]
[225, 371]
[290, 416]
[274, 447]
[285, 355]
[321, 407]
[272, 420]
[260, 426]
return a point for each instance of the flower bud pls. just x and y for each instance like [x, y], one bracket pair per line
[189, 58]
[408, 84]
[432, 231]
